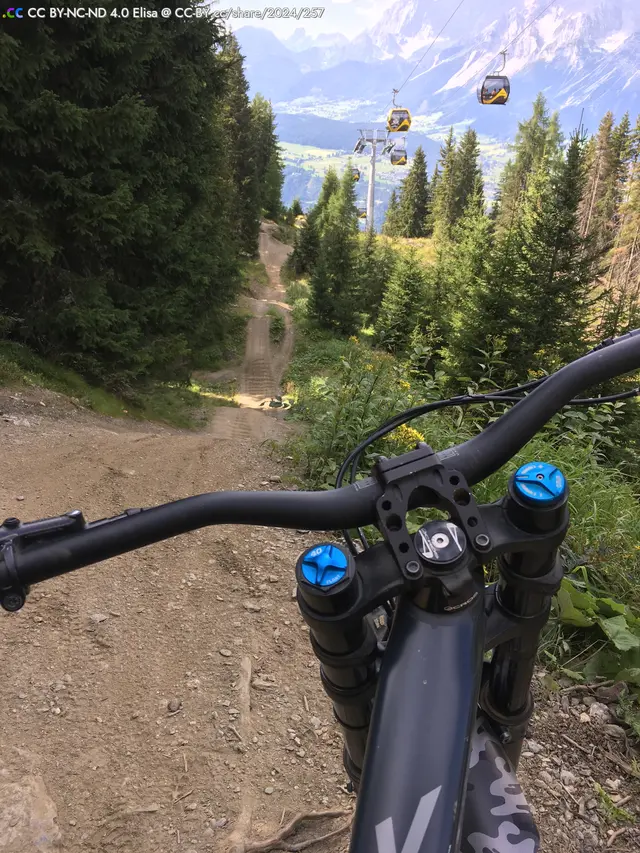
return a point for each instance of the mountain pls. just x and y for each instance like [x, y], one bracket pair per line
[582, 54]
[301, 40]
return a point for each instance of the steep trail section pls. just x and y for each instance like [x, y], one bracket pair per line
[263, 364]
[119, 681]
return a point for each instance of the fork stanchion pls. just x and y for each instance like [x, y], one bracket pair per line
[537, 504]
[328, 588]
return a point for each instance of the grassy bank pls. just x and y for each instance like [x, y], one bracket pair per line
[181, 405]
[177, 405]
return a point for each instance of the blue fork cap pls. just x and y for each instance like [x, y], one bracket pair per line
[324, 565]
[539, 483]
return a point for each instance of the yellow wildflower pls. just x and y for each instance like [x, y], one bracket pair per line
[405, 436]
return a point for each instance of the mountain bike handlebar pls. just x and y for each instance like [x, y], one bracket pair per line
[35, 551]
[488, 451]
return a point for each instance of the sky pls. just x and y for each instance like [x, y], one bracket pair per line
[348, 17]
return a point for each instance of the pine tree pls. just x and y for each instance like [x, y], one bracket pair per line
[554, 145]
[555, 265]
[271, 189]
[599, 199]
[402, 302]
[239, 148]
[445, 188]
[529, 147]
[413, 205]
[267, 157]
[531, 299]
[430, 219]
[118, 254]
[449, 319]
[621, 303]
[307, 239]
[609, 165]
[330, 185]
[334, 280]
[295, 209]
[468, 175]
[375, 263]
[496, 205]
[390, 227]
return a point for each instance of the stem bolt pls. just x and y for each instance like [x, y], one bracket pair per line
[482, 541]
[413, 567]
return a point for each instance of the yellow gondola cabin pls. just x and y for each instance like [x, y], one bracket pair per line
[494, 89]
[398, 120]
[398, 157]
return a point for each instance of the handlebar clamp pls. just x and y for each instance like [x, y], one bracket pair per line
[421, 479]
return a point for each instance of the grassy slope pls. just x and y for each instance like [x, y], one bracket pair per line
[178, 405]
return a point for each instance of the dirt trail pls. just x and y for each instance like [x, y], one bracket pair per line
[263, 364]
[120, 715]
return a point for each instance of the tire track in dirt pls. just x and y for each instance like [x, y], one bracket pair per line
[263, 364]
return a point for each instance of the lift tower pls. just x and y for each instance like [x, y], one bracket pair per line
[374, 138]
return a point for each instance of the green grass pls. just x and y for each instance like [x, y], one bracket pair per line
[315, 354]
[424, 247]
[297, 288]
[177, 405]
[254, 274]
[277, 325]
[292, 152]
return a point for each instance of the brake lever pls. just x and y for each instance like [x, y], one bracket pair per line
[17, 537]
[33, 531]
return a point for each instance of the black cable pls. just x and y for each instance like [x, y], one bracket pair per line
[502, 396]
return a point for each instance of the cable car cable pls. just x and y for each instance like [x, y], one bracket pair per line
[396, 91]
[513, 40]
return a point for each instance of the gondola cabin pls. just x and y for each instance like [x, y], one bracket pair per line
[494, 89]
[362, 213]
[398, 120]
[398, 157]
[355, 174]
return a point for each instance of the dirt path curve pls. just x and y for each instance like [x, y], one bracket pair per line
[264, 363]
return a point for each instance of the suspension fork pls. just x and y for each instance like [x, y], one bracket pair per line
[528, 581]
[342, 634]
